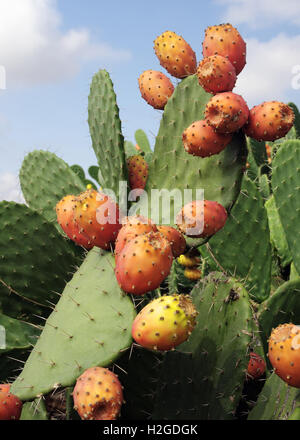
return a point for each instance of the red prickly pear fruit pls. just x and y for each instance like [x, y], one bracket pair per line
[137, 172]
[200, 139]
[132, 227]
[284, 353]
[65, 216]
[269, 121]
[156, 88]
[98, 395]
[256, 366]
[175, 54]
[226, 112]
[225, 40]
[10, 405]
[216, 74]
[144, 263]
[175, 238]
[165, 322]
[201, 219]
[98, 218]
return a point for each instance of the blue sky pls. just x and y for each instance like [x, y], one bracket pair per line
[51, 49]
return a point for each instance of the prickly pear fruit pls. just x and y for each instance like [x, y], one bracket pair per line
[216, 74]
[165, 322]
[192, 273]
[98, 218]
[137, 172]
[269, 121]
[98, 395]
[226, 112]
[65, 217]
[132, 227]
[200, 219]
[156, 88]
[188, 260]
[175, 54]
[200, 139]
[175, 238]
[10, 405]
[284, 353]
[225, 40]
[144, 263]
[256, 366]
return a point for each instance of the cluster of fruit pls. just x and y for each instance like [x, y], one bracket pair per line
[224, 52]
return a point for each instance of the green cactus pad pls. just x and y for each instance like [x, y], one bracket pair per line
[18, 334]
[93, 172]
[204, 380]
[91, 325]
[35, 261]
[297, 118]
[277, 234]
[78, 170]
[276, 401]
[282, 307]
[35, 410]
[142, 141]
[258, 150]
[45, 179]
[173, 169]
[242, 248]
[286, 189]
[105, 130]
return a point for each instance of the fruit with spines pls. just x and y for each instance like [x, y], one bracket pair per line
[137, 173]
[98, 395]
[225, 40]
[200, 139]
[201, 218]
[284, 353]
[165, 322]
[175, 54]
[65, 217]
[156, 88]
[144, 263]
[10, 405]
[269, 121]
[256, 366]
[226, 112]
[132, 226]
[216, 74]
[175, 238]
[98, 218]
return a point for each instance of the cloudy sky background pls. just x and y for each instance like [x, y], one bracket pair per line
[51, 49]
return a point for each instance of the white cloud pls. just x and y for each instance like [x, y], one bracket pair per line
[261, 13]
[268, 72]
[33, 48]
[10, 188]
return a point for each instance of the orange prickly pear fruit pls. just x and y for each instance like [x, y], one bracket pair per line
[137, 171]
[269, 121]
[98, 395]
[10, 405]
[175, 54]
[256, 366]
[175, 238]
[144, 263]
[216, 74]
[201, 219]
[156, 88]
[284, 353]
[225, 40]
